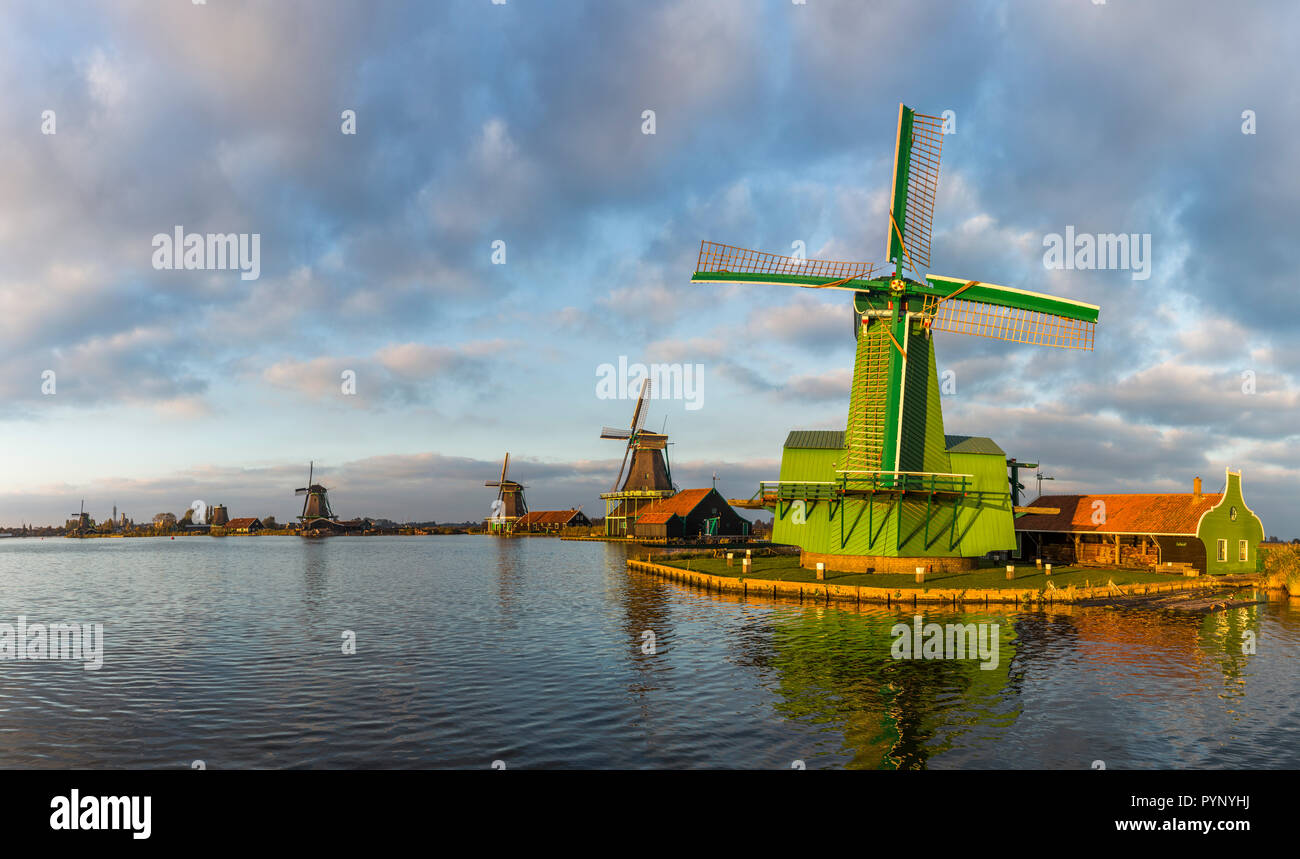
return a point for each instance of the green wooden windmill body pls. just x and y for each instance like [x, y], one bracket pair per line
[893, 484]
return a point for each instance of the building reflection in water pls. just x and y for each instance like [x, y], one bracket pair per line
[835, 670]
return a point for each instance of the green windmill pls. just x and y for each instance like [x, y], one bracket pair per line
[893, 485]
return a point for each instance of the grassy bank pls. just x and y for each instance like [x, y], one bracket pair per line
[1282, 566]
[787, 569]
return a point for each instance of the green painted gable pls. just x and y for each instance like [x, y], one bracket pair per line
[1219, 523]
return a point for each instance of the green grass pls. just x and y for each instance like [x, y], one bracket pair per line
[787, 569]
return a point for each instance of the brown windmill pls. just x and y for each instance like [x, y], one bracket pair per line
[510, 504]
[316, 512]
[649, 477]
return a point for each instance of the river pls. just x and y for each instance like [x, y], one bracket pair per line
[476, 652]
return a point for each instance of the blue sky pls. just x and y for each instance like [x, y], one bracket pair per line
[522, 123]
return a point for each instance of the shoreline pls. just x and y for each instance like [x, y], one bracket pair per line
[827, 592]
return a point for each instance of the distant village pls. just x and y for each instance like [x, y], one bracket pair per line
[221, 524]
[317, 519]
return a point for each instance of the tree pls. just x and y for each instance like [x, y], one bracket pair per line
[269, 522]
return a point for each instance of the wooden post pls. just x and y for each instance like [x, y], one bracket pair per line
[1011, 572]
[730, 555]
[821, 572]
[920, 575]
[1048, 570]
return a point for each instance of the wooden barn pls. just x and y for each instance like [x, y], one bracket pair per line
[547, 521]
[1212, 532]
[690, 513]
[245, 525]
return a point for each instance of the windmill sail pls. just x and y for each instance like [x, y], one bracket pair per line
[1006, 313]
[720, 263]
[916, 181]
[649, 469]
[638, 415]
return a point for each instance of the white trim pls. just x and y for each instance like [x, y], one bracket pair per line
[1109, 533]
[893, 184]
[800, 482]
[962, 280]
[1223, 496]
[774, 283]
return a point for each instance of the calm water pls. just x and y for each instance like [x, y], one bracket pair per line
[471, 650]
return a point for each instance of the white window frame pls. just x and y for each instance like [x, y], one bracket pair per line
[1243, 550]
[1223, 551]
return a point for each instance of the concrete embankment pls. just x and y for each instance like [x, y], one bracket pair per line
[823, 592]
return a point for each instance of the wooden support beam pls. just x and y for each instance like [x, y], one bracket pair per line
[968, 527]
[843, 539]
[883, 522]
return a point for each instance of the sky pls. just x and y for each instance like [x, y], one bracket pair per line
[502, 223]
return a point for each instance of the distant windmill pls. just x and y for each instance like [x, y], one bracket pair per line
[316, 504]
[648, 450]
[510, 504]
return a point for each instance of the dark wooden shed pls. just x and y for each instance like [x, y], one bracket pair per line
[688, 514]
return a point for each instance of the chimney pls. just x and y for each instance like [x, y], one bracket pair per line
[1196, 489]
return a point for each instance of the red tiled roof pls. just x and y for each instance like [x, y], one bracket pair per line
[682, 504]
[242, 523]
[657, 518]
[1177, 513]
[546, 517]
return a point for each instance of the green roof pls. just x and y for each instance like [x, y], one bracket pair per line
[816, 439]
[972, 444]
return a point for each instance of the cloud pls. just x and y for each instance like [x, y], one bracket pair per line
[396, 373]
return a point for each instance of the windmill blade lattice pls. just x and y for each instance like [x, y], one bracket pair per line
[727, 263]
[638, 415]
[916, 182]
[1012, 324]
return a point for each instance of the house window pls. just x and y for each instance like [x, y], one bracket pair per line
[1243, 550]
[1223, 550]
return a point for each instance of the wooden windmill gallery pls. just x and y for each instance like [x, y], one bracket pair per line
[893, 491]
